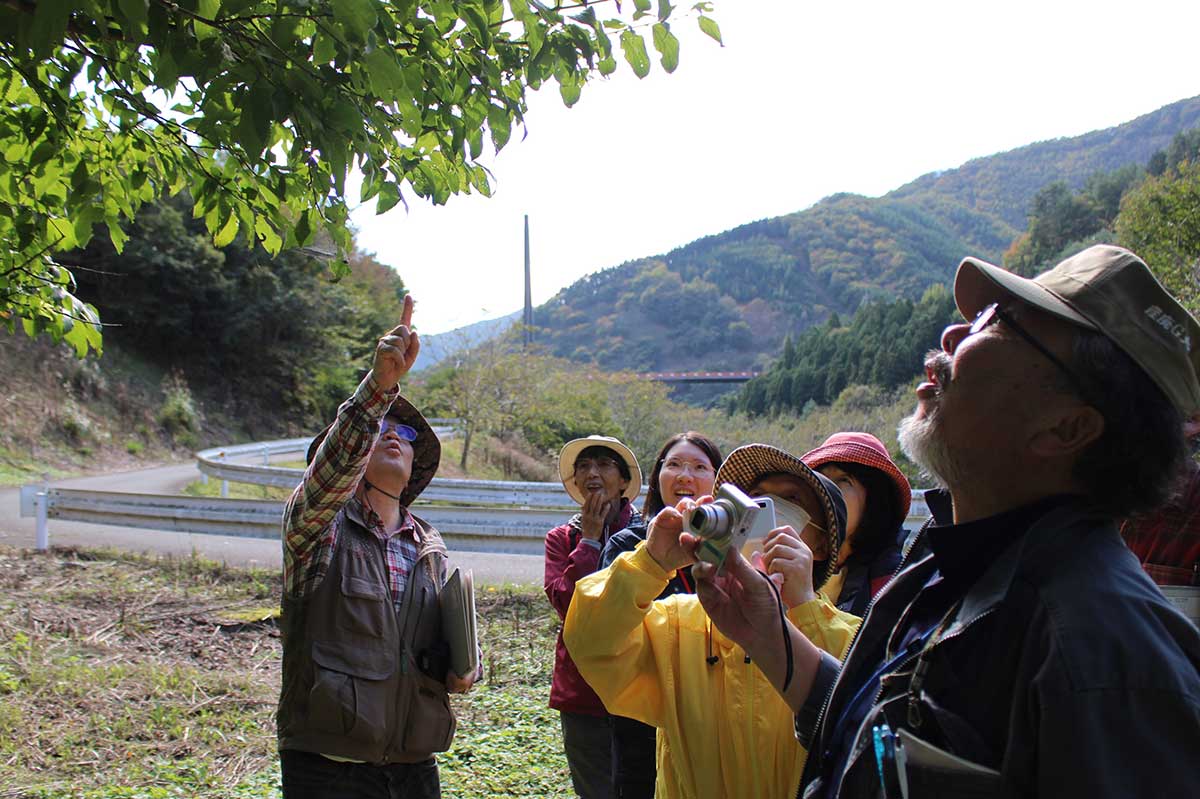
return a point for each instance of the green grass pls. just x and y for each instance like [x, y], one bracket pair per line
[126, 676]
[212, 488]
[18, 468]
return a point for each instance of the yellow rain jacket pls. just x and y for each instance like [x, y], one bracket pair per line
[723, 730]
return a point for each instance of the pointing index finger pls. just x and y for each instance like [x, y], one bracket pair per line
[406, 314]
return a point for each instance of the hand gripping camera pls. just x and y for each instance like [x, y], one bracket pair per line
[728, 521]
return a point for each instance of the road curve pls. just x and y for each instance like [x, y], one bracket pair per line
[19, 532]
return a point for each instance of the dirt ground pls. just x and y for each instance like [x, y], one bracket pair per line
[135, 677]
[122, 670]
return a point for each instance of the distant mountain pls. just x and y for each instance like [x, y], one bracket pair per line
[728, 301]
[439, 346]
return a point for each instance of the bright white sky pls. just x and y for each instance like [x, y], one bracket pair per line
[804, 100]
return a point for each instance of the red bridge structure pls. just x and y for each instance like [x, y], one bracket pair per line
[700, 377]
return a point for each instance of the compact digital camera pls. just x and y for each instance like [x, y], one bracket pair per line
[728, 521]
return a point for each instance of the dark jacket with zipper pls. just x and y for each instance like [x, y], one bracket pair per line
[1063, 668]
[361, 679]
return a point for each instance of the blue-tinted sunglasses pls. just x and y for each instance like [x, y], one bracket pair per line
[402, 431]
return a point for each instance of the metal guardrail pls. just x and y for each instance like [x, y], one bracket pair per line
[503, 530]
[504, 493]
[517, 530]
[487, 515]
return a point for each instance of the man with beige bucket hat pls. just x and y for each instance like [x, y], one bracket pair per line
[1020, 650]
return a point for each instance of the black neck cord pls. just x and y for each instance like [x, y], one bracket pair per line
[372, 487]
[711, 659]
[787, 639]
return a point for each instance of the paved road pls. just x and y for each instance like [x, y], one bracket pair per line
[19, 532]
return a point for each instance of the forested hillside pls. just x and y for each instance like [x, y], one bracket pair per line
[272, 341]
[1152, 209]
[730, 300]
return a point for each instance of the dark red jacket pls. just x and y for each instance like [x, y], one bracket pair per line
[568, 558]
[1167, 540]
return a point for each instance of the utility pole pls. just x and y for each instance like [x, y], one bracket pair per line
[527, 334]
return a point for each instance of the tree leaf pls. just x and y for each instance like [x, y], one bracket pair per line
[667, 45]
[389, 195]
[569, 87]
[477, 23]
[267, 237]
[500, 125]
[635, 52]
[710, 27]
[357, 17]
[206, 10]
[49, 25]
[134, 12]
[324, 48]
[387, 80]
[227, 232]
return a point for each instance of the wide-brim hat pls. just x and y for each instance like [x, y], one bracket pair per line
[571, 450]
[863, 449]
[1109, 290]
[427, 449]
[745, 465]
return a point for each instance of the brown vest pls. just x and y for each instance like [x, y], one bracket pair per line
[352, 686]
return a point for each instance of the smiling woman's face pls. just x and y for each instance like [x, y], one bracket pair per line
[686, 472]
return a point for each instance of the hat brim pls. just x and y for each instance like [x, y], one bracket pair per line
[571, 450]
[853, 452]
[745, 465]
[978, 284]
[427, 449]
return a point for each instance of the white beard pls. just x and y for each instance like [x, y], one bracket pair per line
[921, 441]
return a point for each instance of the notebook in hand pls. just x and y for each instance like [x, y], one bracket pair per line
[458, 622]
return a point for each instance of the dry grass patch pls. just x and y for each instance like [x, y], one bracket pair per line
[138, 678]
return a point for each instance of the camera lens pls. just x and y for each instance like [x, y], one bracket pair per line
[710, 521]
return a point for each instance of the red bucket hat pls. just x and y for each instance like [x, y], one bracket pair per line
[865, 450]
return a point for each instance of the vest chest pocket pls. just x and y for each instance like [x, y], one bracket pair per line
[365, 606]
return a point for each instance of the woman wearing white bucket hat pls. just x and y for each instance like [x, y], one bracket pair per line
[602, 475]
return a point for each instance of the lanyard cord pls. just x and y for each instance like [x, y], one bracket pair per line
[787, 639]
[372, 487]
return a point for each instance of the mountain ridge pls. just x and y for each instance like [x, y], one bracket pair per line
[729, 299]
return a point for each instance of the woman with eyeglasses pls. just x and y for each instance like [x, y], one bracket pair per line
[877, 498]
[723, 730]
[686, 466]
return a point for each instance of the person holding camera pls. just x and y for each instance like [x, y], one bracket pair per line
[602, 475]
[686, 466]
[1021, 650]
[363, 705]
[723, 730]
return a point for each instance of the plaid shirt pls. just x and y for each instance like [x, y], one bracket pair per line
[1167, 540]
[310, 527]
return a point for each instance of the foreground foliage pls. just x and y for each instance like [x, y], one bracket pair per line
[127, 677]
[261, 109]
